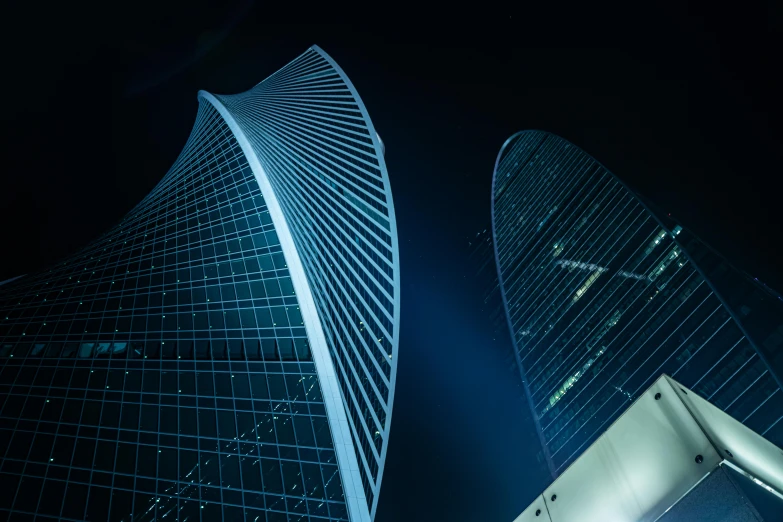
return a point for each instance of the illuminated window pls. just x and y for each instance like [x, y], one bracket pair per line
[588, 284]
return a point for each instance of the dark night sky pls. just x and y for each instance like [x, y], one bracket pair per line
[683, 106]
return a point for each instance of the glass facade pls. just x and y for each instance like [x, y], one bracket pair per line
[602, 296]
[185, 365]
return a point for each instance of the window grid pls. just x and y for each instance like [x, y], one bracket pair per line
[601, 299]
[192, 282]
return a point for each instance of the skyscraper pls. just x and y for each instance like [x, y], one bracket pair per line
[228, 350]
[602, 295]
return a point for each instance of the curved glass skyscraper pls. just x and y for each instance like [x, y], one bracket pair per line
[228, 351]
[602, 296]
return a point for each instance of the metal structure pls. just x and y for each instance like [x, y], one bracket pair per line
[673, 457]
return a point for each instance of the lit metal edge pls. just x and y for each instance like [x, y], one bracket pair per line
[12, 279]
[663, 380]
[752, 478]
[347, 461]
[380, 152]
[539, 430]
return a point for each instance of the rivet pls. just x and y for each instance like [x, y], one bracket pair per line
[699, 459]
[657, 396]
[554, 497]
[538, 512]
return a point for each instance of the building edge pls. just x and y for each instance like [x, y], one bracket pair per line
[11, 279]
[539, 430]
[335, 410]
[380, 150]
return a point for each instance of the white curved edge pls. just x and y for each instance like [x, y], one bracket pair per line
[347, 462]
[380, 152]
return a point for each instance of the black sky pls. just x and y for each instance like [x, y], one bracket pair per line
[680, 101]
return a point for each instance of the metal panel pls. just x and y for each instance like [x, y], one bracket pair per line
[651, 464]
[740, 446]
[535, 512]
[643, 464]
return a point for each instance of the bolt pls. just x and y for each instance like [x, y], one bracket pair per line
[699, 459]
[554, 497]
[657, 396]
[538, 512]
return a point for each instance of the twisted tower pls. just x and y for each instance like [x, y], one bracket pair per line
[228, 351]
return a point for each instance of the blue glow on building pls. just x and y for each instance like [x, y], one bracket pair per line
[602, 296]
[229, 350]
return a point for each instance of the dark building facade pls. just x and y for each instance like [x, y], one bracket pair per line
[603, 295]
[228, 351]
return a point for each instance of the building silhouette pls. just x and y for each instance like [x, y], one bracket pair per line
[603, 295]
[228, 350]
